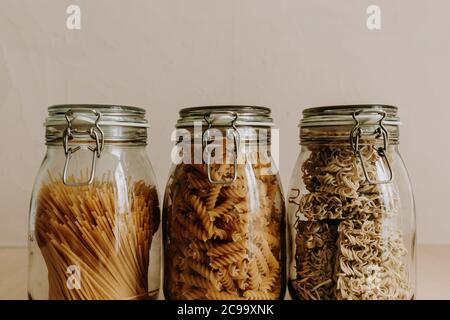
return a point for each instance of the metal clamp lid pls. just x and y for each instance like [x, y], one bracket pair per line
[208, 149]
[95, 132]
[120, 124]
[355, 136]
[249, 116]
[341, 115]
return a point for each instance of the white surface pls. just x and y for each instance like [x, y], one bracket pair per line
[433, 279]
[163, 55]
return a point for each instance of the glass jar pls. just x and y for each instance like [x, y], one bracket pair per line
[351, 208]
[223, 212]
[94, 228]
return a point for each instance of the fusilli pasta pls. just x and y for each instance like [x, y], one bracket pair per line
[223, 241]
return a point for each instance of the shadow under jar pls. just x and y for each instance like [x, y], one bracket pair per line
[351, 208]
[94, 229]
[223, 213]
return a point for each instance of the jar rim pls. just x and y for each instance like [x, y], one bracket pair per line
[342, 107]
[225, 116]
[108, 108]
[111, 115]
[345, 115]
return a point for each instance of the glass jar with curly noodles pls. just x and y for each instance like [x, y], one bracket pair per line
[223, 214]
[351, 208]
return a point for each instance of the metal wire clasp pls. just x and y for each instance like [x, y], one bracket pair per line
[95, 132]
[208, 149]
[380, 131]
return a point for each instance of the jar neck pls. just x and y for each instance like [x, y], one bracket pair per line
[242, 135]
[111, 135]
[223, 145]
[354, 124]
[370, 134]
[106, 146]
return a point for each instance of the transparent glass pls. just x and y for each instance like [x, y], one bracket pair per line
[350, 239]
[100, 241]
[227, 240]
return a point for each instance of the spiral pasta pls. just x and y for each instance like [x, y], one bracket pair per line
[345, 246]
[223, 241]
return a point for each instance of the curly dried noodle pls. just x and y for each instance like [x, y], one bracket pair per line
[223, 239]
[345, 246]
[85, 227]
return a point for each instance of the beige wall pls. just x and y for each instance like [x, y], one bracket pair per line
[163, 55]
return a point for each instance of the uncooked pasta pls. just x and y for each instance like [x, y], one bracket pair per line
[223, 241]
[345, 244]
[105, 235]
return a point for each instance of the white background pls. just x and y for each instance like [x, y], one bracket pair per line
[163, 55]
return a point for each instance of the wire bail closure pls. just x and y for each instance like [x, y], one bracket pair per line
[95, 132]
[208, 149]
[355, 136]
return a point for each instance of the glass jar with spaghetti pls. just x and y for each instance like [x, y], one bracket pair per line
[223, 212]
[94, 230]
[351, 208]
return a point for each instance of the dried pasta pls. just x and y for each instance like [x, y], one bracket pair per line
[223, 241]
[84, 227]
[345, 247]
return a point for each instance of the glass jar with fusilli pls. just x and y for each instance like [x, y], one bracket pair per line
[351, 208]
[223, 213]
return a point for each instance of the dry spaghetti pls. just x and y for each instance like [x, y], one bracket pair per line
[106, 235]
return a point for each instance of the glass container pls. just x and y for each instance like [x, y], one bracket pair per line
[223, 212]
[351, 208]
[94, 224]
